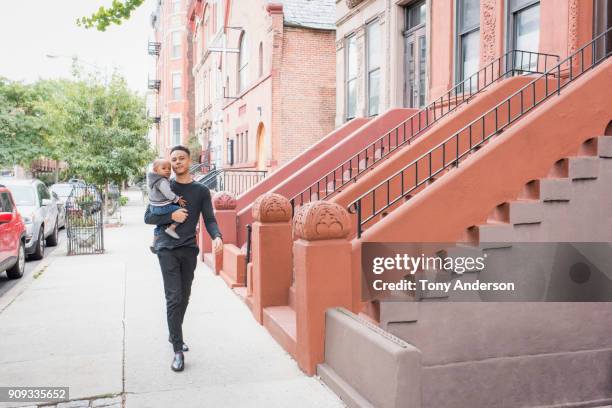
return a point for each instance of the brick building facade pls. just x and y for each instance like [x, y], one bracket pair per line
[265, 79]
[171, 86]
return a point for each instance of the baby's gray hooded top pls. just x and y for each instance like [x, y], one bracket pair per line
[160, 192]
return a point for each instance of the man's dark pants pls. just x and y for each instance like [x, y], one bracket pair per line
[177, 266]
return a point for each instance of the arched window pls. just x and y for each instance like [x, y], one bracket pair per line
[260, 72]
[243, 62]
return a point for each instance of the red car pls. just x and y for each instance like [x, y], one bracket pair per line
[12, 236]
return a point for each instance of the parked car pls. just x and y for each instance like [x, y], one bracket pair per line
[39, 211]
[12, 236]
[61, 211]
[63, 191]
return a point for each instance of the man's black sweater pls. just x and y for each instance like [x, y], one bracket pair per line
[198, 202]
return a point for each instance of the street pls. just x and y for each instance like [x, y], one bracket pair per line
[97, 324]
[7, 284]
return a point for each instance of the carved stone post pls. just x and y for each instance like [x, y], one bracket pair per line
[225, 212]
[271, 249]
[322, 263]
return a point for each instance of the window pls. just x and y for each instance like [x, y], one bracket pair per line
[373, 61]
[176, 6]
[176, 44]
[415, 15]
[176, 131]
[238, 148]
[243, 62]
[5, 203]
[176, 85]
[230, 152]
[524, 29]
[468, 39]
[246, 145]
[351, 77]
[260, 71]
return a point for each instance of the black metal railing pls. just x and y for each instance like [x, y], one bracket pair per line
[210, 180]
[515, 62]
[154, 48]
[154, 84]
[84, 220]
[197, 167]
[448, 154]
[239, 181]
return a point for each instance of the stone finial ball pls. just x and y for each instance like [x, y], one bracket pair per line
[224, 200]
[320, 220]
[271, 207]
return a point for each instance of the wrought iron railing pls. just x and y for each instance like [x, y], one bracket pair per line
[154, 84]
[154, 48]
[239, 181]
[232, 180]
[197, 167]
[512, 63]
[455, 148]
[210, 179]
[85, 220]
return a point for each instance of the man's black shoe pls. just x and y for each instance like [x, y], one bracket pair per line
[178, 363]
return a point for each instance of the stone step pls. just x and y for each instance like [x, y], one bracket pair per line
[462, 251]
[525, 212]
[493, 235]
[280, 321]
[555, 189]
[604, 147]
[583, 168]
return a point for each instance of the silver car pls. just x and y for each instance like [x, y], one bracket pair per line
[63, 191]
[39, 209]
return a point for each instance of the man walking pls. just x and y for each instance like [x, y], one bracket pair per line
[178, 257]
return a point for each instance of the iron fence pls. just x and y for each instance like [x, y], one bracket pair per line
[235, 181]
[458, 146]
[514, 62]
[84, 220]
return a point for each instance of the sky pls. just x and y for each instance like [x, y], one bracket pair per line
[29, 30]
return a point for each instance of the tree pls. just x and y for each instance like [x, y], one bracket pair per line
[99, 129]
[22, 129]
[115, 14]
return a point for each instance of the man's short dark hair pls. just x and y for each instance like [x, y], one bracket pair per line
[181, 148]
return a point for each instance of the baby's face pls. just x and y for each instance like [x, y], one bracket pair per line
[164, 169]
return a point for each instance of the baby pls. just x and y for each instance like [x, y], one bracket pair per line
[161, 198]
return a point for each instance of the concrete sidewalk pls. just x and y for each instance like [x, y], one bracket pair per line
[96, 323]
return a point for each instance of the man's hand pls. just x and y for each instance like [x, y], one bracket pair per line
[179, 215]
[217, 246]
[182, 202]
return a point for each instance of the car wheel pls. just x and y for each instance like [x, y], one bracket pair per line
[16, 271]
[40, 245]
[53, 238]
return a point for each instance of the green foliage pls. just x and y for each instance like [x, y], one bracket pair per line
[123, 200]
[22, 129]
[99, 129]
[194, 146]
[115, 14]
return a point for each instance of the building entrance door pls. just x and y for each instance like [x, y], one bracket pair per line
[415, 56]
